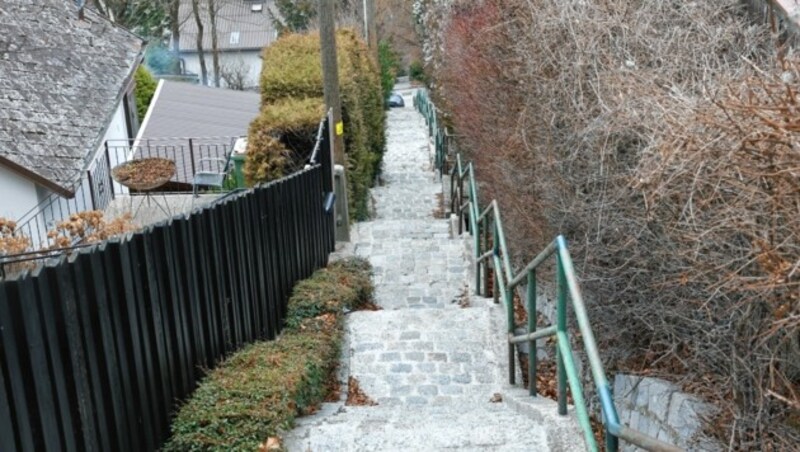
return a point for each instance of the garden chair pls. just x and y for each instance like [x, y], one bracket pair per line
[212, 178]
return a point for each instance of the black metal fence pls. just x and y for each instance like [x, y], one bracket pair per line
[97, 350]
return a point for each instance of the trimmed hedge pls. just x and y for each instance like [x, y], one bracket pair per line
[292, 105]
[259, 391]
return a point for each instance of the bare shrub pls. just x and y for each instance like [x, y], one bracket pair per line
[646, 134]
[12, 242]
[88, 227]
[236, 74]
[82, 228]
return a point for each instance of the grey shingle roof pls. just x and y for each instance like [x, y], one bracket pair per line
[186, 110]
[211, 117]
[60, 81]
[238, 27]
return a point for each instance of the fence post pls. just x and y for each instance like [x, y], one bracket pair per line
[191, 157]
[91, 189]
[325, 156]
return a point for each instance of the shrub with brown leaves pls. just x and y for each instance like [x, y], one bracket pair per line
[660, 137]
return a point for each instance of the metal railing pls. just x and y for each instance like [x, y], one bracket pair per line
[97, 188]
[442, 139]
[491, 253]
[189, 154]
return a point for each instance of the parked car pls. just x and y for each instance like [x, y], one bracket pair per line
[396, 100]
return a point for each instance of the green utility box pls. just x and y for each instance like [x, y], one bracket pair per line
[238, 169]
[238, 154]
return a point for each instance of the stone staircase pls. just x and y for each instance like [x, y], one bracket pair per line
[434, 358]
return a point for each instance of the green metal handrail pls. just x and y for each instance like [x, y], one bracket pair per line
[491, 251]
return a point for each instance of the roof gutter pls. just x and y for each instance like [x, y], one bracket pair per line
[36, 178]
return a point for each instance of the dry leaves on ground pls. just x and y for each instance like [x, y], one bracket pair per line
[355, 396]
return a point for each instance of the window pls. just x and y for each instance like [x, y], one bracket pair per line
[234, 37]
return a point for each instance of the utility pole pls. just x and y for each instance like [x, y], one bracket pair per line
[371, 31]
[330, 74]
[330, 77]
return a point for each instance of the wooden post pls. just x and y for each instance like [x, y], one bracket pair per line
[331, 76]
[333, 102]
[372, 32]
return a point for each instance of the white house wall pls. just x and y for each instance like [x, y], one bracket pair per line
[118, 141]
[250, 58]
[17, 194]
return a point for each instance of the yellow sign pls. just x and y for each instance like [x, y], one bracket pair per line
[339, 128]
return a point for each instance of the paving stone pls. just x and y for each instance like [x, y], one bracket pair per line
[401, 368]
[406, 335]
[391, 356]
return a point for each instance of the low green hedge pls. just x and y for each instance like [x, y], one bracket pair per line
[259, 391]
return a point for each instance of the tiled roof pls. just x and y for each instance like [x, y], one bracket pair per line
[60, 81]
[238, 26]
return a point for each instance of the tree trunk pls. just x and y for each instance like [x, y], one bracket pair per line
[174, 24]
[212, 14]
[200, 54]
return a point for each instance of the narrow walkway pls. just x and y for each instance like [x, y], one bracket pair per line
[433, 358]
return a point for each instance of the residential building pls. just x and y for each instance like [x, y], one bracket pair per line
[66, 86]
[244, 28]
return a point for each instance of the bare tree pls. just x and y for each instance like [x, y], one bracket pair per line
[200, 53]
[212, 14]
[174, 23]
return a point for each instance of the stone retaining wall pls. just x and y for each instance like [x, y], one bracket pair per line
[659, 408]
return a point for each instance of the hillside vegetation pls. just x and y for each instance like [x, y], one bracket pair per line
[661, 137]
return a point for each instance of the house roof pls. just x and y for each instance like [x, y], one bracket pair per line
[61, 79]
[211, 117]
[238, 26]
[185, 110]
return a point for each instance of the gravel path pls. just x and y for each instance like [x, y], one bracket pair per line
[433, 357]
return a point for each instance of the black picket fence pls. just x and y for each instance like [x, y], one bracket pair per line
[97, 350]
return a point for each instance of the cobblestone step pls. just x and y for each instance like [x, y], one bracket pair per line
[434, 357]
[465, 427]
[423, 356]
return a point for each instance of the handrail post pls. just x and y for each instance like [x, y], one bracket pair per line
[612, 441]
[561, 325]
[485, 228]
[495, 289]
[478, 264]
[460, 200]
[532, 358]
[452, 193]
